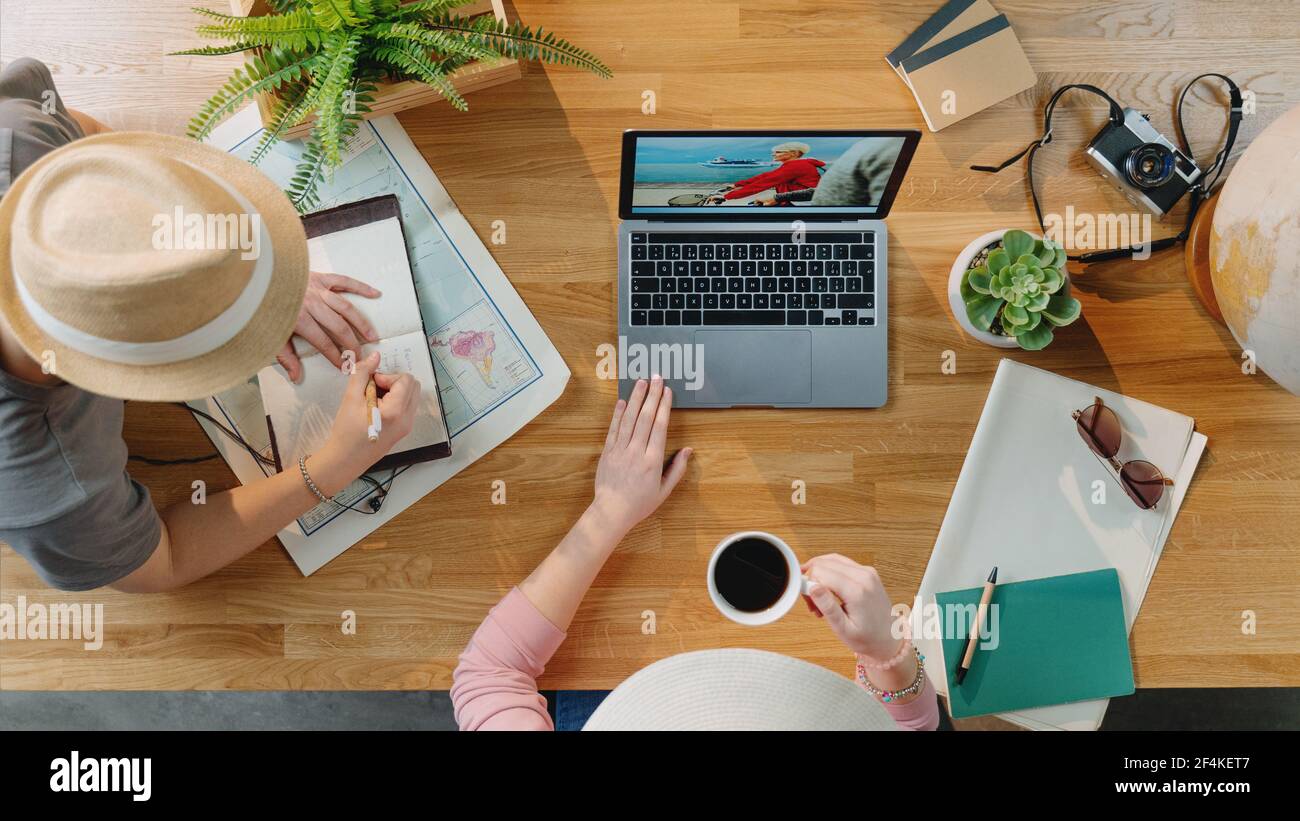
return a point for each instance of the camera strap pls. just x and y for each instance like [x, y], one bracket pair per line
[1198, 192]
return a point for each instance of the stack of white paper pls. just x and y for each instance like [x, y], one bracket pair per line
[1025, 501]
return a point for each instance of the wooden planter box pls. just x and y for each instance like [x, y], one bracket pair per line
[391, 98]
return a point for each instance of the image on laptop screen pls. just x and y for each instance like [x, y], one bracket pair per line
[846, 173]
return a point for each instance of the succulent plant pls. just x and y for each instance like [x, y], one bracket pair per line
[1020, 290]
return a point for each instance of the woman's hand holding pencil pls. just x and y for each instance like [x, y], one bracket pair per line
[351, 449]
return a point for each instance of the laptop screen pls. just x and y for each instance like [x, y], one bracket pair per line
[710, 175]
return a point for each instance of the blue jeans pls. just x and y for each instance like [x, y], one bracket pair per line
[574, 707]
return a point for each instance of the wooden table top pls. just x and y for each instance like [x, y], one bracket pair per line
[543, 154]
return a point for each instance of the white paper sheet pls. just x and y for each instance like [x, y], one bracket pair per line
[304, 412]
[375, 254]
[467, 303]
[1024, 502]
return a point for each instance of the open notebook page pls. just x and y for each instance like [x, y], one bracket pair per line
[374, 253]
[304, 413]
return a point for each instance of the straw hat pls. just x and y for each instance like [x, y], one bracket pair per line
[738, 689]
[150, 267]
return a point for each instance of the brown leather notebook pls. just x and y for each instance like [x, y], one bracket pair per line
[363, 240]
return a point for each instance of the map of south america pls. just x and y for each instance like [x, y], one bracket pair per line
[472, 346]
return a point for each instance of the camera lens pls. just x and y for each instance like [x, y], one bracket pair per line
[1150, 165]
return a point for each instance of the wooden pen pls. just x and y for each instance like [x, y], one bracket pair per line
[972, 640]
[372, 412]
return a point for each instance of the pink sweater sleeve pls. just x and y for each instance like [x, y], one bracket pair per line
[921, 713]
[495, 685]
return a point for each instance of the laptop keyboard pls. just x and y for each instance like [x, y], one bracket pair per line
[753, 278]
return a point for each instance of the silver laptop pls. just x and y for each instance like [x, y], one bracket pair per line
[753, 265]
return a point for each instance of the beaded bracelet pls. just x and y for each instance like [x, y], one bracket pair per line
[306, 477]
[891, 695]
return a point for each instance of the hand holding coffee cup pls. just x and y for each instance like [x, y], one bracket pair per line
[755, 578]
[854, 603]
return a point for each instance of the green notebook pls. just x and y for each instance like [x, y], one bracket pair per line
[1059, 639]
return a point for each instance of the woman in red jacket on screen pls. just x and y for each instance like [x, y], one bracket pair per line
[795, 173]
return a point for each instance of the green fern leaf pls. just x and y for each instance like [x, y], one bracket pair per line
[339, 58]
[412, 60]
[207, 51]
[314, 165]
[365, 9]
[303, 186]
[264, 73]
[332, 15]
[427, 8]
[444, 43]
[519, 41]
[296, 30]
[287, 113]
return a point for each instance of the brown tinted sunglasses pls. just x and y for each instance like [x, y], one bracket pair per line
[1100, 429]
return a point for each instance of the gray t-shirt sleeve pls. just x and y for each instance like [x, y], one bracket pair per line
[67, 504]
[33, 119]
[100, 541]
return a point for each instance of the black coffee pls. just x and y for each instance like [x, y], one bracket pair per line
[751, 574]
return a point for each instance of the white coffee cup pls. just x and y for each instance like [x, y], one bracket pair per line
[796, 584]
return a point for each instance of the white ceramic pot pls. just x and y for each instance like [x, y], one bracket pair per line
[955, 302]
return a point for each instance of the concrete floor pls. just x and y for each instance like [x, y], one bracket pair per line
[225, 710]
[1183, 709]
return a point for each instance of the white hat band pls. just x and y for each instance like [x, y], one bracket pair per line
[202, 340]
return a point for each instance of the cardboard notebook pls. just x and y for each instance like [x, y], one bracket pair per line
[960, 61]
[954, 18]
[363, 240]
[1058, 640]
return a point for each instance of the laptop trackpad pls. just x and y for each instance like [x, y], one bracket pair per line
[755, 367]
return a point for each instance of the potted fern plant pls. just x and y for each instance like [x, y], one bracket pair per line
[1010, 289]
[319, 67]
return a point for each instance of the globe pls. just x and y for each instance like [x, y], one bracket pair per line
[1254, 251]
